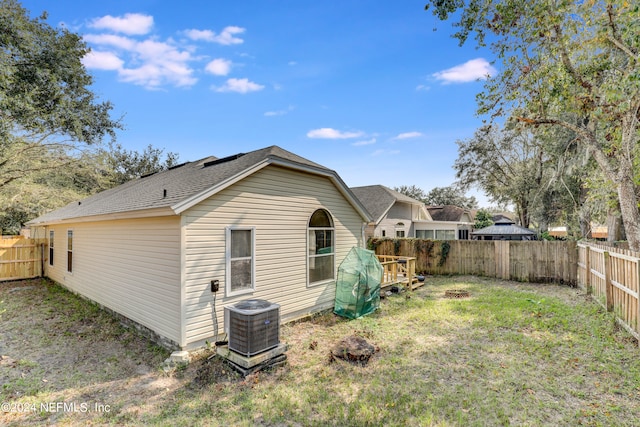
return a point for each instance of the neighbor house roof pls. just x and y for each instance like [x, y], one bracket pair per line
[181, 187]
[447, 213]
[503, 227]
[378, 199]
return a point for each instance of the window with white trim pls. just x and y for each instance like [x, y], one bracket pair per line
[240, 260]
[445, 234]
[424, 234]
[321, 244]
[51, 236]
[70, 251]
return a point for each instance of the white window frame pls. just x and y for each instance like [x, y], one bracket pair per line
[424, 233]
[333, 253]
[52, 236]
[228, 289]
[452, 234]
[70, 251]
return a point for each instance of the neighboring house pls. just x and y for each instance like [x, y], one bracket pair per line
[393, 213]
[449, 223]
[504, 229]
[397, 215]
[266, 225]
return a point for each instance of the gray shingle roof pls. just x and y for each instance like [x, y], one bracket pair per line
[502, 228]
[176, 186]
[446, 213]
[377, 199]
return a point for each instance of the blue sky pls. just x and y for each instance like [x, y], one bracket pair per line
[368, 89]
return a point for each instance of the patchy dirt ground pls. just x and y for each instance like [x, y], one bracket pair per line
[54, 344]
[64, 361]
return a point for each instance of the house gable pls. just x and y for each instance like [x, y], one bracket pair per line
[277, 203]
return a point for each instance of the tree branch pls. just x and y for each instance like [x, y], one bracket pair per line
[615, 38]
[566, 61]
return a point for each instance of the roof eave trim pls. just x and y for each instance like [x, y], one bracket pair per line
[142, 213]
[386, 211]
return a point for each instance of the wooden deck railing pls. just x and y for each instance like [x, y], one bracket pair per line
[398, 270]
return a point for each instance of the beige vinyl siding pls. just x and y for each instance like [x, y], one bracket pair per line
[278, 202]
[130, 266]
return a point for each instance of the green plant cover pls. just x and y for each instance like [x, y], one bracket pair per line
[358, 284]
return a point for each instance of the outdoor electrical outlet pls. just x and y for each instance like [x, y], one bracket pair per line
[215, 285]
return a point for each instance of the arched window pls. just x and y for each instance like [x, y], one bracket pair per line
[321, 244]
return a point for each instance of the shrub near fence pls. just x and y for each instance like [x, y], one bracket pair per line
[533, 261]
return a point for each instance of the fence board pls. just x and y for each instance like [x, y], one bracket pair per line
[20, 258]
[538, 261]
[612, 276]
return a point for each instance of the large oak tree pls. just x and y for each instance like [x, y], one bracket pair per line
[46, 104]
[50, 120]
[564, 59]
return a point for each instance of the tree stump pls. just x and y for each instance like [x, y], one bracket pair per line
[352, 349]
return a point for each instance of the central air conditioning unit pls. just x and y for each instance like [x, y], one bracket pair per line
[252, 326]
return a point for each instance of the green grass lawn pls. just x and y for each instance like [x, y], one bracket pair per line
[511, 354]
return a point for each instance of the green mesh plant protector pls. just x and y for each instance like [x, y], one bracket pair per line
[358, 284]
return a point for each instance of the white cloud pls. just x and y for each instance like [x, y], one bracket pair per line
[130, 23]
[329, 133]
[226, 37]
[365, 142]
[123, 46]
[239, 86]
[408, 135]
[219, 67]
[279, 112]
[102, 60]
[119, 42]
[423, 87]
[149, 63]
[470, 71]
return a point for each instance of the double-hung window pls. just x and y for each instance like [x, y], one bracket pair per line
[321, 244]
[51, 236]
[240, 260]
[70, 251]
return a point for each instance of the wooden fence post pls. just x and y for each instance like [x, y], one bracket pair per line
[638, 301]
[587, 267]
[607, 281]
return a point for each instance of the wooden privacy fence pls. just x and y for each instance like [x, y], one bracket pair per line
[20, 258]
[533, 261]
[611, 276]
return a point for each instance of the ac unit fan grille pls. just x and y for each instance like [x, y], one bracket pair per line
[253, 331]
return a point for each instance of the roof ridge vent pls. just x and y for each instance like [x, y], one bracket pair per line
[223, 160]
[167, 169]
